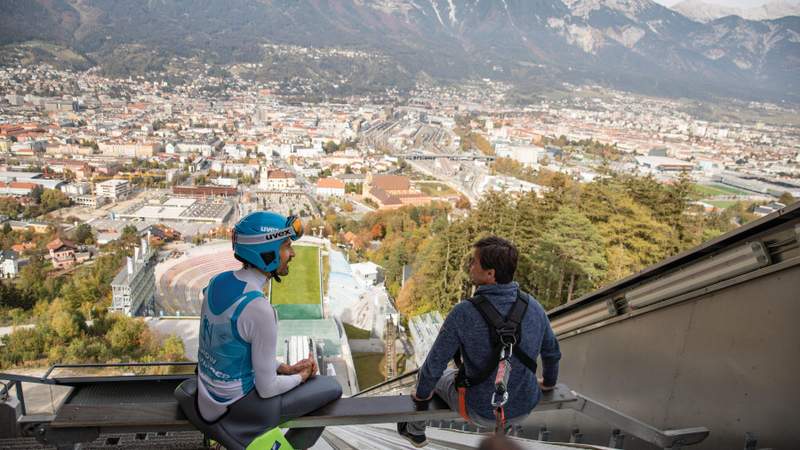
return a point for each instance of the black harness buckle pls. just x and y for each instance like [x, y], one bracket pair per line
[507, 335]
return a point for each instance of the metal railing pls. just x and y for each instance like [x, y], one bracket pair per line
[6, 389]
[15, 381]
[407, 379]
[46, 378]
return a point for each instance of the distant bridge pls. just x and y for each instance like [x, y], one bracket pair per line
[423, 156]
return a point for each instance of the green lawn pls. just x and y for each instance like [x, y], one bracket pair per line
[353, 332]
[710, 190]
[300, 288]
[369, 369]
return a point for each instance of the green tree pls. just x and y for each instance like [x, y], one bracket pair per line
[36, 194]
[13, 297]
[52, 199]
[127, 336]
[84, 349]
[10, 207]
[330, 147]
[66, 321]
[172, 349]
[22, 345]
[33, 277]
[632, 236]
[513, 168]
[572, 257]
[83, 234]
[130, 235]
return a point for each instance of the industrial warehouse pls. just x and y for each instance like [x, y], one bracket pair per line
[204, 210]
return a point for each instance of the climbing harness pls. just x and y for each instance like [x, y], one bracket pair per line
[506, 334]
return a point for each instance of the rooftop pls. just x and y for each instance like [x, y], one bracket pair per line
[25, 175]
[391, 182]
[58, 243]
[331, 183]
[279, 174]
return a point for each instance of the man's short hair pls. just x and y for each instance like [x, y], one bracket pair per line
[498, 254]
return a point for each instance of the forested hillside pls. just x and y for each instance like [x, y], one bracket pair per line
[64, 317]
[574, 239]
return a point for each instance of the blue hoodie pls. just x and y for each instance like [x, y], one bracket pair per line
[464, 327]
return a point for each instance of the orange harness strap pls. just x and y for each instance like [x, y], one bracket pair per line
[462, 403]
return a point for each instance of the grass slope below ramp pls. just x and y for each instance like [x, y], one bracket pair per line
[297, 296]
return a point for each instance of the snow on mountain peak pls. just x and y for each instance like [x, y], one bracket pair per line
[705, 12]
[630, 8]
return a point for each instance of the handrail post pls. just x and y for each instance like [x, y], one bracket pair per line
[10, 411]
[21, 397]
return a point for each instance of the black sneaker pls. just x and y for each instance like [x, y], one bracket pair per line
[417, 440]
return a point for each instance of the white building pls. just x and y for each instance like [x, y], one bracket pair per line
[113, 189]
[296, 150]
[250, 170]
[222, 181]
[135, 285]
[187, 147]
[9, 267]
[527, 155]
[367, 273]
[266, 150]
[130, 150]
[81, 188]
[330, 187]
[89, 201]
[235, 151]
[278, 180]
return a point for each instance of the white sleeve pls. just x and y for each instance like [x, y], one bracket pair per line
[258, 326]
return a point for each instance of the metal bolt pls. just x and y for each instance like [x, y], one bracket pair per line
[617, 439]
[544, 434]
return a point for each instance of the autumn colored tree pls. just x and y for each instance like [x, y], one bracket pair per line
[378, 231]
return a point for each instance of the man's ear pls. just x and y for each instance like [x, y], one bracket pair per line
[490, 273]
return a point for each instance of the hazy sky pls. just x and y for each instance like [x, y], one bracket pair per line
[735, 3]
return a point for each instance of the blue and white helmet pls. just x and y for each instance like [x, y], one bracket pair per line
[258, 236]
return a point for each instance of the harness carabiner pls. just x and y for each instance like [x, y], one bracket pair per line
[499, 403]
[500, 394]
[506, 355]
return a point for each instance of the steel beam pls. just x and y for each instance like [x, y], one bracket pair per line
[637, 428]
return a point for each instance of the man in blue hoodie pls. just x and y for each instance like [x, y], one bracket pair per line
[491, 269]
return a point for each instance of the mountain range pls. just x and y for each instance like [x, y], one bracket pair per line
[706, 12]
[635, 45]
